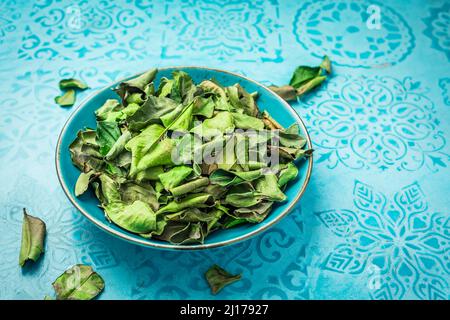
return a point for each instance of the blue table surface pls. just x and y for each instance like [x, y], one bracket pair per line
[374, 221]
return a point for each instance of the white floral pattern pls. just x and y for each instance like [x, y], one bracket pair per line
[407, 242]
[376, 123]
[227, 30]
[438, 28]
[342, 29]
[88, 30]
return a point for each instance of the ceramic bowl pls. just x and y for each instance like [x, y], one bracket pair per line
[87, 204]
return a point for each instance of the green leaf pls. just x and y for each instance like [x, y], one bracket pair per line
[150, 174]
[107, 134]
[270, 122]
[137, 217]
[253, 214]
[82, 183]
[174, 176]
[33, 236]
[231, 222]
[326, 64]
[182, 233]
[243, 200]
[226, 178]
[183, 88]
[165, 87]
[287, 92]
[109, 190]
[203, 107]
[290, 137]
[267, 186]
[84, 152]
[179, 119]
[72, 84]
[139, 144]
[213, 87]
[109, 111]
[118, 146]
[146, 153]
[159, 155]
[308, 86]
[287, 174]
[135, 98]
[137, 84]
[79, 282]
[129, 111]
[242, 101]
[303, 74]
[191, 186]
[215, 190]
[243, 195]
[67, 99]
[131, 192]
[150, 112]
[218, 278]
[196, 200]
[292, 154]
[160, 227]
[196, 215]
[216, 126]
[243, 121]
[304, 80]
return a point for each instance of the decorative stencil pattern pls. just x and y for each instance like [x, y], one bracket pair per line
[444, 83]
[348, 32]
[376, 123]
[438, 28]
[401, 239]
[253, 258]
[88, 30]
[224, 30]
[375, 118]
[9, 15]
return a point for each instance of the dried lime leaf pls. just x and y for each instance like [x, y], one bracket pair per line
[80, 282]
[218, 278]
[72, 83]
[67, 99]
[33, 236]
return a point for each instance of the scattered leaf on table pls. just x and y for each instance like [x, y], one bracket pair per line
[79, 282]
[67, 99]
[218, 278]
[33, 237]
[304, 80]
[72, 84]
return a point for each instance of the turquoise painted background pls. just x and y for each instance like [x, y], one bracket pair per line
[374, 222]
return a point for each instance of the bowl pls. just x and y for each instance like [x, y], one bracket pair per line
[87, 204]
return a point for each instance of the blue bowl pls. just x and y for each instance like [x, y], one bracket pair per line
[88, 203]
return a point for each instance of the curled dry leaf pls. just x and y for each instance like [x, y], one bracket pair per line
[218, 278]
[33, 237]
[304, 80]
[79, 282]
[67, 99]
